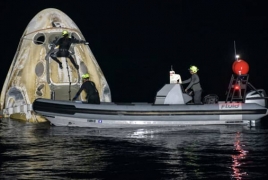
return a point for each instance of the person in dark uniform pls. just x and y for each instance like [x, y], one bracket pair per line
[194, 84]
[90, 89]
[64, 44]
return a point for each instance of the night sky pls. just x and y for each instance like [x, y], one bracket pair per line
[136, 42]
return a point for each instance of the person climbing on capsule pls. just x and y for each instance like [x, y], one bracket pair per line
[194, 84]
[64, 44]
[90, 88]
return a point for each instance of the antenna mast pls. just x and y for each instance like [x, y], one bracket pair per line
[236, 56]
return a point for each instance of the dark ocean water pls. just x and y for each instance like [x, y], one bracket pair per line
[41, 151]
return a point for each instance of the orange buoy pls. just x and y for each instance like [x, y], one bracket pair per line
[240, 67]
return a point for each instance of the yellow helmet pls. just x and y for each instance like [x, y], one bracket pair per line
[194, 69]
[64, 33]
[85, 76]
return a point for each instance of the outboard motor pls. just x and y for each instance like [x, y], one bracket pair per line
[256, 96]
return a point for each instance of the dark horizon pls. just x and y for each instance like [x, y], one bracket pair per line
[135, 43]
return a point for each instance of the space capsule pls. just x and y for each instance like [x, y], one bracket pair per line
[33, 74]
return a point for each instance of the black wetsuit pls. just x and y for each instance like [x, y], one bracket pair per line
[194, 84]
[64, 46]
[91, 91]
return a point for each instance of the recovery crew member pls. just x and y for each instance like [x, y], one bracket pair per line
[64, 44]
[194, 84]
[90, 89]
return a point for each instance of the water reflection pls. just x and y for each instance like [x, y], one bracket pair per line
[143, 133]
[41, 151]
[33, 150]
[238, 157]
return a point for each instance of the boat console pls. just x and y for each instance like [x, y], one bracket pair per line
[172, 94]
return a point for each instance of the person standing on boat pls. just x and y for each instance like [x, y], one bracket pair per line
[194, 84]
[64, 44]
[90, 89]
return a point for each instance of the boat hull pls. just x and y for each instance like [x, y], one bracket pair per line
[97, 123]
[110, 115]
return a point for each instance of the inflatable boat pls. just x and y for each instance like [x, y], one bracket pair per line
[171, 107]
